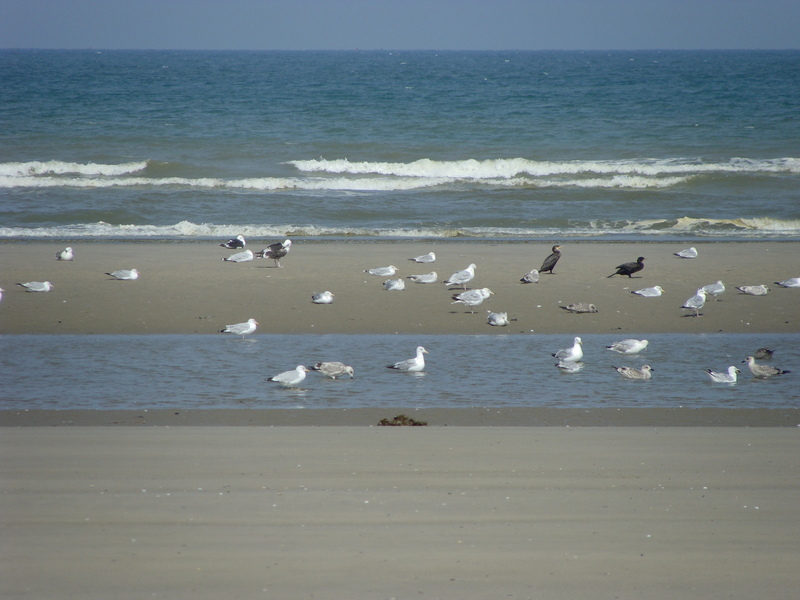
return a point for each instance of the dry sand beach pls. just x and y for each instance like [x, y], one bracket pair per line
[243, 504]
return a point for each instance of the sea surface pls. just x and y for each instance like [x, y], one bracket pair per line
[209, 372]
[472, 145]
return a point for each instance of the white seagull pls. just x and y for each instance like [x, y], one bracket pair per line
[276, 251]
[629, 346]
[472, 298]
[325, 297]
[290, 378]
[65, 254]
[715, 289]
[753, 290]
[382, 271]
[235, 243]
[633, 373]
[240, 257]
[497, 319]
[425, 258]
[789, 283]
[125, 274]
[762, 371]
[394, 285]
[241, 329]
[649, 292]
[37, 286]
[334, 369]
[462, 277]
[412, 365]
[431, 277]
[573, 354]
[687, 253]
[531, 276]
[696, 302]
[569, 367]
[718, 377]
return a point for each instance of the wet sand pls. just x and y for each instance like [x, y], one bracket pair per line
[510, 503]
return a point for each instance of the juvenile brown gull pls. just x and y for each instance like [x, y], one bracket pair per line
[718, 377]
[412, 365]
[276, 251]
[764, 353]
[235, 243]
[290, 378]
[334, 369]
[241, 329]
[573, 354]
[753, 290]
[462, 278]
[629, 346]
[65, 254]
[634, 373]
[549, 263]
[37, 286]
[240, 257]
[580, 307]
[125, 274]
[629, 268]
[762, 371]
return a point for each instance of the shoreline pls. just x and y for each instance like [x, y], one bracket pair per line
[187, 288]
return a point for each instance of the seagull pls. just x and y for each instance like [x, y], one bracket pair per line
[425, 258]
[65, 254]
[412, 365]
[696, 302]
[394, 285]
[241, 329]
[125, 274]
[325, 297]
[580, 307]
[382, 271]
[235, 243]
[650, 292]
[290, 378]
[629, 268]
[762, 371]
[789, 283]
[729, 377]
[1, 293]
[37, 286]
[497, 319]
[240, 257]
[531, 276]
[687, 253]
[715, 289]
[472, 297]
[753, 290]
[573, 354]
[550, 262]
[462, 277]
[764, 353]
[569, 367]
[334, 369]
[633, 373]
[276, 251]
[431, 277]
[629, 346]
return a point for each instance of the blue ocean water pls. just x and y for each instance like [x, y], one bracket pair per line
[211, 372]
[475, 145]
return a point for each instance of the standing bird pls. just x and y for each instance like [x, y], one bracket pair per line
[753, 290]
[715, 289]
[235, 243]
[65, 254]
[789, 283]
[241, 329]
[649, 292]
[687, 253]
[696, 302]
[531, 276]
[37, 286]
[762, 371]
[462, 277]
[412, 365]
[425, 258]
[276, 251]
[125, 274]
[334, 369]
[633, 373]
[240, 257]
[629, 268]
[472, 297]
[729, 377]
[290, 378]
[550, 262]
[573, 354]
[325, 297]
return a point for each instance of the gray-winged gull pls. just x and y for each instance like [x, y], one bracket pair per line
[687, 253]
[719, 377]
[462, 278]
[37, 286]
[425, 258]
[394, 285]
[431, 277]
[531, 276]
[65, 254]
[629, 346]
[325, 297]
[793, 282]
[382, 271]
[412, 365]
[696, 302]
[290, 378]
[125, 274]
[573, 354]
[241, 329]
[240, 257]
[715, 289]
[472, 298]
[497, 319]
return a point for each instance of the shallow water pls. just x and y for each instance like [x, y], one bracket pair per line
[204, 371]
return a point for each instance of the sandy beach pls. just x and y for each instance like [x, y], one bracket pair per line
[509, 503]
[187, 288]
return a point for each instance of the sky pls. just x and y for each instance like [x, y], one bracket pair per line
[400, 24]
